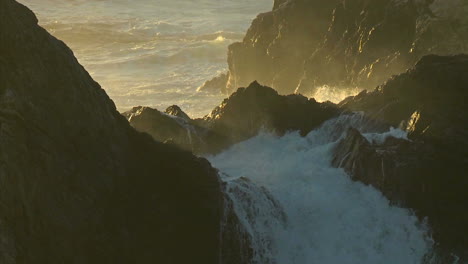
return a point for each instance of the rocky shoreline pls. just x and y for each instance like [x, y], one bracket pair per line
[83, 183]
[425, 173]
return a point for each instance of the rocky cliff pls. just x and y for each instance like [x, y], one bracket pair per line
[301, 45]
[79, 185]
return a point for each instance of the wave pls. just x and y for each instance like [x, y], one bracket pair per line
[328, 217]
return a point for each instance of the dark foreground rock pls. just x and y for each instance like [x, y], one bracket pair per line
[427, 173]
[241, 116]
[79, 185]
[304, 44]
[164, 127]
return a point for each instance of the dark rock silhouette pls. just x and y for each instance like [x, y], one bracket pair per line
[301, 45]
[428, 173]
[249, 110]
[79, 185]
[241, 116]
[163, 127]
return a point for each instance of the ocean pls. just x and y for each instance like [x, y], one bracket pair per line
[151, 53]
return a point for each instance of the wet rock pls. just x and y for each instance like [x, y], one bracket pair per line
[241, 116]
[255, 108]
[429, 100]
[79, 185]
[427, 173]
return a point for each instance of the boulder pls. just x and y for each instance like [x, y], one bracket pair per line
[258, 108]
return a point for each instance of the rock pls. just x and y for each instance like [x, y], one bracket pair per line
[79, 185]
[302, 45]
[428, 100]
[428, 173]
[255, 108]
[277, 43]
[241, 116]
[175, 110]
[217, 84]
[160, 126]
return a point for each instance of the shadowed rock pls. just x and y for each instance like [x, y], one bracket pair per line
[79, 185]
[241, 116]
[255, 108]
[162, 127]
[428, 173]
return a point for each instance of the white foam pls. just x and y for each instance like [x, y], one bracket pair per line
[380, 138]
[330, 219]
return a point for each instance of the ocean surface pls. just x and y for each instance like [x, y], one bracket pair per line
[151, 52]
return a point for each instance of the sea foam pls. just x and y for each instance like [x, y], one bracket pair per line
[328, 217]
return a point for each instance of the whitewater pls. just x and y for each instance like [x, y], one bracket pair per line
[298, 209]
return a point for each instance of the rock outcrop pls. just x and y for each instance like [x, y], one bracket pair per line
[243, 115]
[255, 108]
[165, 127]
[304, 44]
[216, 85]
[277, 43]
[428, 172]
[79, 185]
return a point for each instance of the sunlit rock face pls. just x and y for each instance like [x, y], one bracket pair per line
[277, 43]
[428, 171]
[79, 185]
[302, 45]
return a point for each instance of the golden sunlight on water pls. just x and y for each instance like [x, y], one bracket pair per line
[148, 52]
